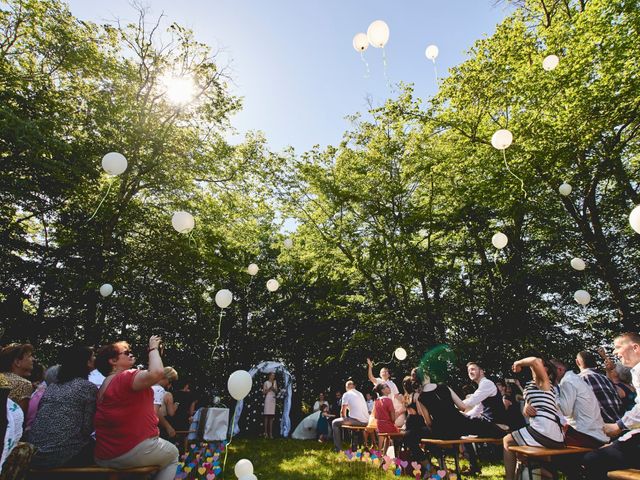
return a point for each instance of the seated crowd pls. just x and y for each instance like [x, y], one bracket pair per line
[93, 408]
[557, 408]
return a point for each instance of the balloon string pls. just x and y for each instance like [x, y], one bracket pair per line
[366, 65]
[192, 238]
[506, 164]
[378, 363]
[384, 65]
[435, 69]
[495, 261]
[219, 330]
[226, 449]
[101, 202]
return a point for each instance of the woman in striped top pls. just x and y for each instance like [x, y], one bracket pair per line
[544, 429]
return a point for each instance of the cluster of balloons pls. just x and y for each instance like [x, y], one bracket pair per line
[377, 35]
[244, 470]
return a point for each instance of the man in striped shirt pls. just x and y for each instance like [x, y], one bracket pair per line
[605, 390]
[624, 452]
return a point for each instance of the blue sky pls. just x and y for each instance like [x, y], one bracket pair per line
[292, 60]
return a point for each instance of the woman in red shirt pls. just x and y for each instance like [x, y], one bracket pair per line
[383, 410]
[126, 422]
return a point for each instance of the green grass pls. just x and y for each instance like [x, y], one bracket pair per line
[309, 460]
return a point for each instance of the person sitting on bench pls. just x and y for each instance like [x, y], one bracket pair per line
[354, 403]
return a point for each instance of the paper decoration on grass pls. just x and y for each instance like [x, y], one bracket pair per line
[106, 290]
[201, 462]
[565, 189]
[550, 62]
[634, 219]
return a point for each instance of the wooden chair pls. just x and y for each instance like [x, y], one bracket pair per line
[93, 471]
[630, 474]
[542, 456]
[454, 445]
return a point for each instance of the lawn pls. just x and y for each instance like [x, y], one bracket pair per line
[298, 459]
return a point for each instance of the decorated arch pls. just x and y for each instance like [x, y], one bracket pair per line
[285, 392]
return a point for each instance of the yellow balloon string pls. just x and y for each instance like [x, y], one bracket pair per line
[101, 201]
[226, 448]
[504, 155]
[366, 65]
[219, 330]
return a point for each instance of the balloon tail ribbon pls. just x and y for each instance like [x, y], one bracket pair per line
[495, 261]
[378, 363]
[192, 239]
[101, 202]
[219, 330]
[366, 65]
[384, 65]
[435, 69]
[506, 164]
[226, 448]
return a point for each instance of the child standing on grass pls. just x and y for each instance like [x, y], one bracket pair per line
[322, 426]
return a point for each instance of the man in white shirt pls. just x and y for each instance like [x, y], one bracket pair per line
[385, 377]
[624, 452]
[579, 405]
[353, 412]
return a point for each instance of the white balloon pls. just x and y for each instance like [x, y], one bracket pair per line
[106, 290]
[432, 52]
[400, 353]
[578, 264]
[243, 467]
[224, 298]
[183, 222]
[288, 243]
[114, 163]
[378, 33]
[239, 384]
[550, 62]
[250, 476]
[502, 139]
[582, 297]
[272, 285]
[634, 219]
[565, 189]
[499, 240]
[360, 42]
[252, 269]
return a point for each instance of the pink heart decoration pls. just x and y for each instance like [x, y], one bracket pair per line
[441, 473]
[416, 466]
[385, 465]
[211, 476]
[402, 463]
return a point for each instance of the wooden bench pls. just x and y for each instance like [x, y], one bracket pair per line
[543, 455]
[185, 434]
[93, 471]
[355, 431]
[386, 439]
[624, 474]
[454, 444]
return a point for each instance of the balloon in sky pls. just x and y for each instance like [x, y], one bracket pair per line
[432, 52]
[634, 219]
[272, 285]
[224, 298]
[252, 269]
[106, 290]
[499, 240]
[114, 163]
[243, 467]
[400, 353]
[565, 189]
[239, 384]
[578, 264]
[502, 139]
[378, 33]
[183, 222]
[550, 62]
[360, 42]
